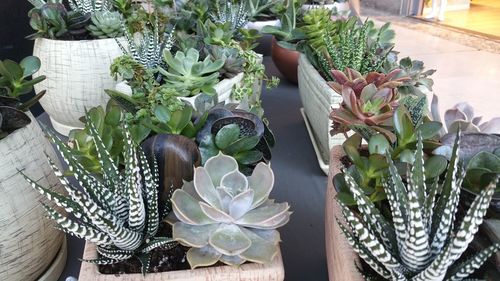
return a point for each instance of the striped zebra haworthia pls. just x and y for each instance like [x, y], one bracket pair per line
[118, 211]
[90, 6]
[419, 243]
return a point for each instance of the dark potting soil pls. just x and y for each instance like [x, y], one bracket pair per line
[162, 260]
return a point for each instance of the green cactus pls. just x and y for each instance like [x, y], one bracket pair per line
[118, 211]
[225, 216]
[189, 76]
[419, 243]
[106, 24]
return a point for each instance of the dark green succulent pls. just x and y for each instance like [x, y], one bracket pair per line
[14, 82]
[287, 33]
[262, 9]
[52, 20]
[233, 63]
[481, 170]
[237, 133]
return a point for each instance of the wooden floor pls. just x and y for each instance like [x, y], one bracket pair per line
[483, 17]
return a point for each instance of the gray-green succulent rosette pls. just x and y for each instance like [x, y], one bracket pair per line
[225, 216]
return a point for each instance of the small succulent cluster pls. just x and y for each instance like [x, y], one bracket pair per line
[237, 133]
[419, 243]
[262, 9]
[106, 24]
[233, 62]
[225, 216]
[368, 100]
[86, 19]
[188, 75]
[118, 212]
[344, 44]
[13, 84]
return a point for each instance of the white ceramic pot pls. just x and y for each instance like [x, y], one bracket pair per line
[28, 240]
[341, 7]
[77, 75]
[258, 25]
[318, 100]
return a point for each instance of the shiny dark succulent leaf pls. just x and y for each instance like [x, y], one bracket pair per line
[242, 144]
[9, 101]
[227, 135]
[247, 126]
[434, 166]
[13, 119]
[249, 157]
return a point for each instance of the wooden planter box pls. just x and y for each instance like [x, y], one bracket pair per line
[341, 258]
[246, 272]
[318, 100]
[30, 246]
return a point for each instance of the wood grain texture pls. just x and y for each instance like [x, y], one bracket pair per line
[341, 259]
[246, 272]
[77, 75]
[318, 100]
[28, 241]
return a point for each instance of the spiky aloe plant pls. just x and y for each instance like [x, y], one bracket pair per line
[419, 244]
[228, 12]
[90, 6]
[228, 217]
[118, 212]
[149, 48]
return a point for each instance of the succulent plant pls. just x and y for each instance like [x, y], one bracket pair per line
[90, 6]
[52, 20]
[13, 84]
[237, 133]
[189, 76]
[118, 211]
[235, 14]
[316, 26]
[418, 244]
[461, 116]
[287, 33]
[481, 169]
[106, 24]
[149, 47]
[262, 9]
[420, 82]
[233, 63]
[225, 216]
[107, 124]
[367, 100]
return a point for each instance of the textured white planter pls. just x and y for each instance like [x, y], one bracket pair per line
[318, 100]
[341, 7]
[28, 241]
[246, 272]
[77, 75]
[258, 25]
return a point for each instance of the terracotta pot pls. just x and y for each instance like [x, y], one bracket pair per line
[287, 61]
[341, 258]
[246, 272]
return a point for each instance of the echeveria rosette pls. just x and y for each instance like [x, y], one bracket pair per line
[225, 216]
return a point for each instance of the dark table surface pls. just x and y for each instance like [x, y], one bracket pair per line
[299, 181]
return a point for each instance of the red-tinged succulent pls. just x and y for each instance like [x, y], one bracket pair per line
[368, 100]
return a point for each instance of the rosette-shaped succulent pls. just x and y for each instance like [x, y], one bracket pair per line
[225, 216]
[233, 62]
[106, 24]
[367, 100]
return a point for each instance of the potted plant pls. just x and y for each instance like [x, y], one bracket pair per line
[76, 47]
[283, 52]
[120, 218]
[31, 247]
[347, 44]
[263, 13]
[395, 249]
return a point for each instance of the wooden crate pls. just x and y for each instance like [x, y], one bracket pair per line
[247, 272]
[341, 258]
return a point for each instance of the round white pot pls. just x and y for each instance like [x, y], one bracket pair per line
[258, 25]
[28, 240]
[341, 7]
[77, 75]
